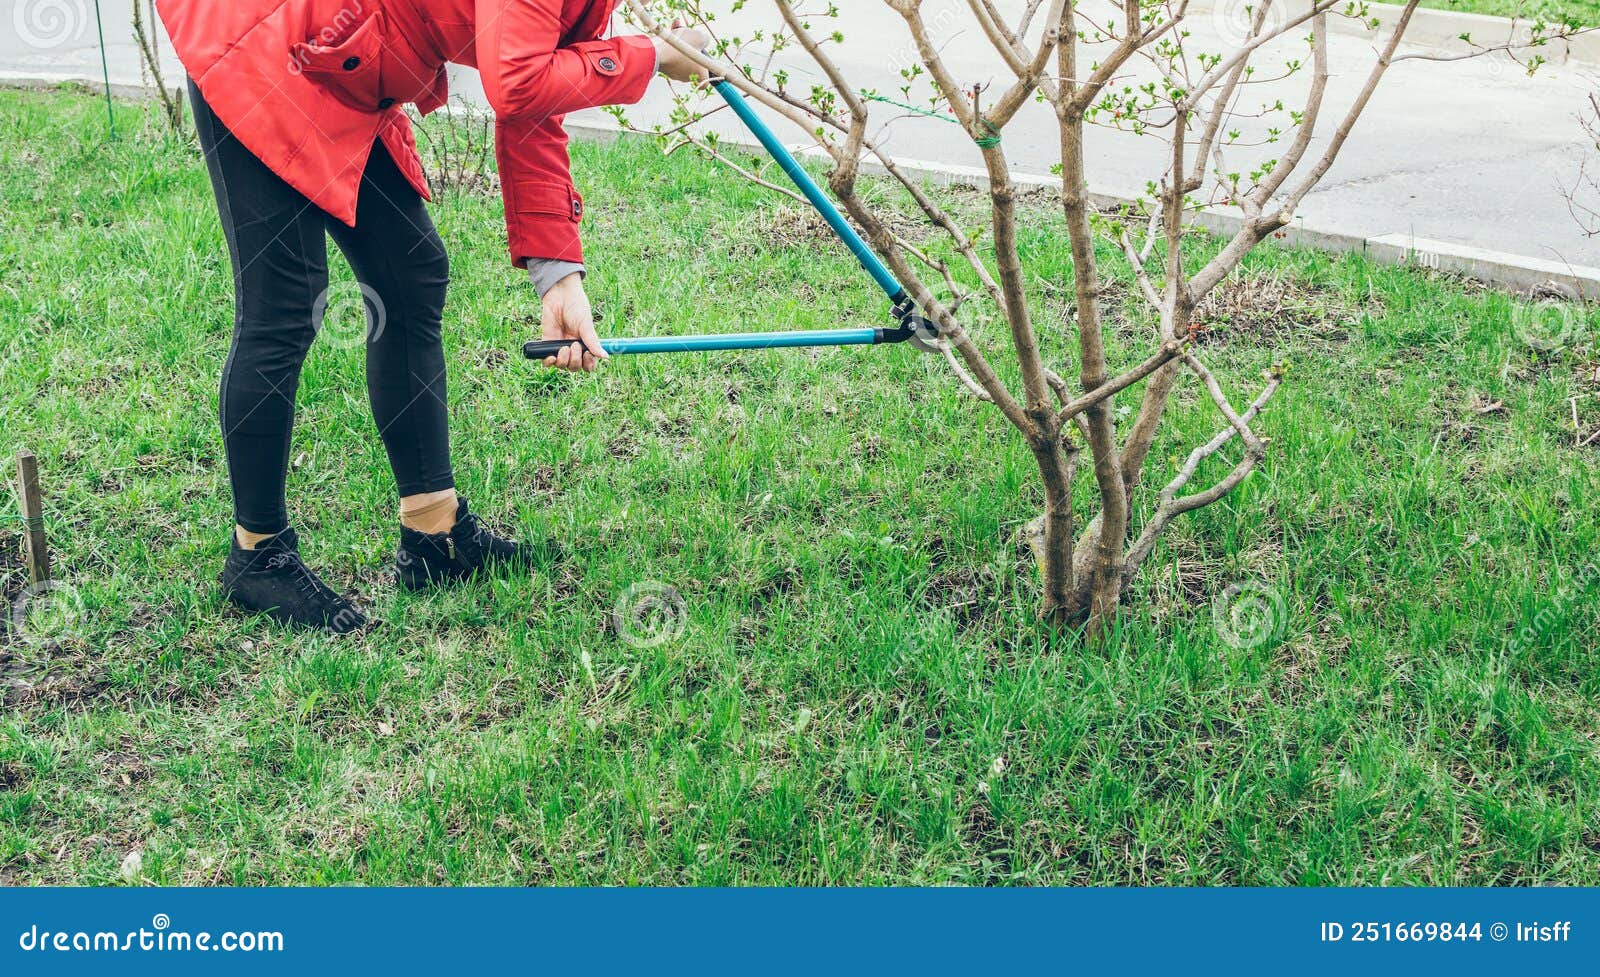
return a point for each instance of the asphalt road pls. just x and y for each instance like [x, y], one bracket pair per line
[1472, 152]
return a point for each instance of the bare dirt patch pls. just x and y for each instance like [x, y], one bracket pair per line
[14, 777]
[1275, 307]
[13, 575]
[53, 691]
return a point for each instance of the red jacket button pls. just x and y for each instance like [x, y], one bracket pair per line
[607, 64]
[351, 64]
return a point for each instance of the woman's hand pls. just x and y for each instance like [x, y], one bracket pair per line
[677, 65]
[567, 315]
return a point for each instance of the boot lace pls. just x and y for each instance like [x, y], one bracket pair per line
[303, 578]
[483, 540]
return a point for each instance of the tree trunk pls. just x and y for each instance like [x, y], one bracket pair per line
[1051, 535]
[1091, 582]
[1105, 594]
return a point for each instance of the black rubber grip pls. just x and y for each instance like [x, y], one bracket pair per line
[541, 348]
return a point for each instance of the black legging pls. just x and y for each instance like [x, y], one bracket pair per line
[280, 280]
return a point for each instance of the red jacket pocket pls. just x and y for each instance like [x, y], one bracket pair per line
[546, 198]
[604, 62]
[348, 69]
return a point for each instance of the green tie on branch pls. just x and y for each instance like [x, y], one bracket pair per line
[983, 142]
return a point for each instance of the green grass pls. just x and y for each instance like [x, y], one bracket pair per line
[1585, 12]
[858, 652]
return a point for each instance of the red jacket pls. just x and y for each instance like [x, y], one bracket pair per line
[308, 85]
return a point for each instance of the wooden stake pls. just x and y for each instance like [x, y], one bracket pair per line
[36, 549]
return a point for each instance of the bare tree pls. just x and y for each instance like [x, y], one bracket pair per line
[1130, 64]
[145, 38]
[1583, 196]
[457, 147]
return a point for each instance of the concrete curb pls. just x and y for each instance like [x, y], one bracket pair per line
[1492, 267]
[45, 83]
[1437, 29]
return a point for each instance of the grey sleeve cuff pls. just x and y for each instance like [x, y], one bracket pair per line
[545, 272]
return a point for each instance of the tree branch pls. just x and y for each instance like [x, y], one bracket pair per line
[1171, 507]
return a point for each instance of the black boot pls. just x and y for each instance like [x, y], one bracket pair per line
[468, 547]
[271, 580]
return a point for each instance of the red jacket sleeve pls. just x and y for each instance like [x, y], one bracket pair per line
[532, 80]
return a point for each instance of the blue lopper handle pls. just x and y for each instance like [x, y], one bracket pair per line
[539, 349]
[883, 276]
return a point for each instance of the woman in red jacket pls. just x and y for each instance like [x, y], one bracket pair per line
[298, 108]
